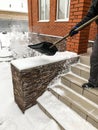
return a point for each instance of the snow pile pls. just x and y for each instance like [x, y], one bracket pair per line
[17, 42]
[26, 63]
[19, 45]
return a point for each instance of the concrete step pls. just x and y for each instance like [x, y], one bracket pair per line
[62, 114]
[83, 106]
[85, 59]
[39, 120]
[89, 50]
[75, 83]
[81, 70]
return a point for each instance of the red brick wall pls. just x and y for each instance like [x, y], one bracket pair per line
[79, 42]
[52, 27]
[93, 31]
[78, 10]
[30, 16]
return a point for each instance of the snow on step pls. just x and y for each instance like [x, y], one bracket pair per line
[39, 120]
[66, 117]
[30, 62]
[52, 126]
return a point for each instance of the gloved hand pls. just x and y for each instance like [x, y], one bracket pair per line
[73, 32]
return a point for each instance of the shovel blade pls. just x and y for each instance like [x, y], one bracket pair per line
[44, 48]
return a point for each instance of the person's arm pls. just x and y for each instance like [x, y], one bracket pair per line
[92, 12]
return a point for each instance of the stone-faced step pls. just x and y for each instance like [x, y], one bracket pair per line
[85, 59]
[89, 50]
[80, 104]
[75, 82]
[92, 94]
[62, 114]
[81, 70]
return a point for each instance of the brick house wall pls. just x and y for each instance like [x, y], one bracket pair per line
[78, 9]
[93, 31]
[52, 27]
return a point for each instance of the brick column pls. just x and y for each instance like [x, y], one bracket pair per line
[78, 10]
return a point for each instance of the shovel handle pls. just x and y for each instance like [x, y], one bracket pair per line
[67, 35]
[77, 29]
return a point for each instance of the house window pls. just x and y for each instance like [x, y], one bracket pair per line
[63, 10]
[44, 10]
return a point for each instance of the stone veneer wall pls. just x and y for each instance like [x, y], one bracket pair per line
[29, 84]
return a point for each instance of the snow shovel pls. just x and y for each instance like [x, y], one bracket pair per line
[48, 48]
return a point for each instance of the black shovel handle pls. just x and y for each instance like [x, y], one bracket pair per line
[77, 29]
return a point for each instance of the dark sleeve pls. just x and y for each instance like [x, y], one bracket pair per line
[92, 12]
